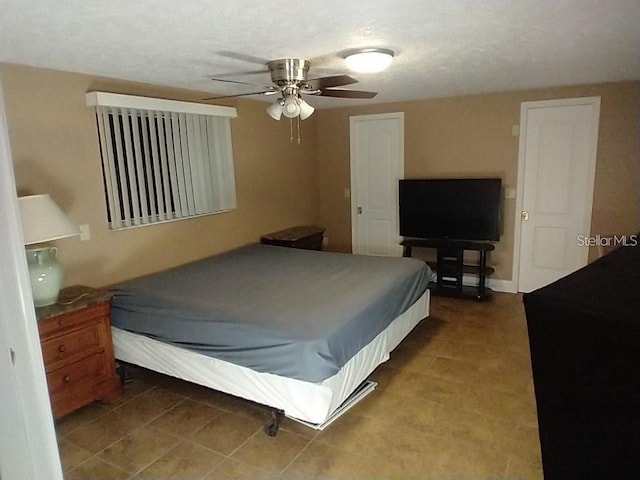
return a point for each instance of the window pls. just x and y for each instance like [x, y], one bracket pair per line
[163, 160]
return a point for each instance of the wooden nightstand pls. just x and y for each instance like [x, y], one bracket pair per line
[75, 335]
[305, 237]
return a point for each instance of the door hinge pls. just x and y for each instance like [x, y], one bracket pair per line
[13, 356]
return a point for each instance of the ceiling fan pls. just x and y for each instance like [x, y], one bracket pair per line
[289, 77]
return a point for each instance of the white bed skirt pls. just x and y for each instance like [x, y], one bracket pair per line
[310, 402]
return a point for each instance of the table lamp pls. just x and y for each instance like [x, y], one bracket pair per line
[43, 221]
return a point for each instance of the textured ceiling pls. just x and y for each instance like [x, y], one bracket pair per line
[444, 47]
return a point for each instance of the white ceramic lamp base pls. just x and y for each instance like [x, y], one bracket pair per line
[45, 273]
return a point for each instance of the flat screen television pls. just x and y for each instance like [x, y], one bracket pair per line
[454, 208]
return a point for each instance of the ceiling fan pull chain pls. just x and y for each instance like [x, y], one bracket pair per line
[298, 122]
[291, 130]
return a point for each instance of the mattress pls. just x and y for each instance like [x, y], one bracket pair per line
[315, 403]
[295, 313]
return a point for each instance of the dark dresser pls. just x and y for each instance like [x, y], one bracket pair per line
[305, 237]
[584, 334]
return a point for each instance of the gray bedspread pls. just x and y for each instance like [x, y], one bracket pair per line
[296, 313]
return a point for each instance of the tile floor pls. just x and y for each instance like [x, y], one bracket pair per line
[454, 401]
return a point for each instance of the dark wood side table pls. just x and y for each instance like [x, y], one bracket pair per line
[75, 336]
[305, 237]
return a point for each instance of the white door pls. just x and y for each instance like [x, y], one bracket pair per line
[557, 161]
[377, 163]
[28, 448]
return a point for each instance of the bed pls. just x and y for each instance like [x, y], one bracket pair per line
[296, 330]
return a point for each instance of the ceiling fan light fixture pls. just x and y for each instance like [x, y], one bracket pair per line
[369, 60]
[305, 110]
[291, 107]
[275, 109]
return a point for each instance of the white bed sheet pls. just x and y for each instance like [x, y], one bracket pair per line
[310, 402]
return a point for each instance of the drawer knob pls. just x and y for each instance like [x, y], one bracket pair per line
[62, 348]
[67, 378]
[61, 322]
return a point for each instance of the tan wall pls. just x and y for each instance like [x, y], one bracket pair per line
[55, 150]
[471, 136]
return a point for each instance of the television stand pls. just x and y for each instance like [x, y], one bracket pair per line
[450, 266]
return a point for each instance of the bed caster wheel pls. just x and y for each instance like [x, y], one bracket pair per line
[272, 430]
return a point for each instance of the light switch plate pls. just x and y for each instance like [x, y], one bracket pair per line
[85, 233]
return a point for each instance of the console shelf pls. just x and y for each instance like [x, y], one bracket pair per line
[450, 266]
[466, 268]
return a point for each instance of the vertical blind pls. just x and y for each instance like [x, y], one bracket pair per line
[164, 165]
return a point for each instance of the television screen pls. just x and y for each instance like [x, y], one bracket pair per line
[457, 209]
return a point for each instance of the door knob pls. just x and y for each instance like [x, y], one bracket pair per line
[524, 215]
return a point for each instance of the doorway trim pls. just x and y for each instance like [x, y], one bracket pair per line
[524, 108]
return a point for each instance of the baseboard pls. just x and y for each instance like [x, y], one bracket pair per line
[506, 286]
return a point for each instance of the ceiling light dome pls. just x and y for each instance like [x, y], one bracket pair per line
[291, 107]
[368, 60]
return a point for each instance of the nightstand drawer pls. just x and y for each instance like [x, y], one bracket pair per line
[77, 376]
[65, 346]
[68, 321]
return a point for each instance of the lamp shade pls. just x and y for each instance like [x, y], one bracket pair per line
[275, 110]
[305, 110]
[43, 221]
[291, 107]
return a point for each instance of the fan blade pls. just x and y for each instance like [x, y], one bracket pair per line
[343, 93]
[242, 57]
[237, 74]
[263, 92]
[334, 81]
[218, 79]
